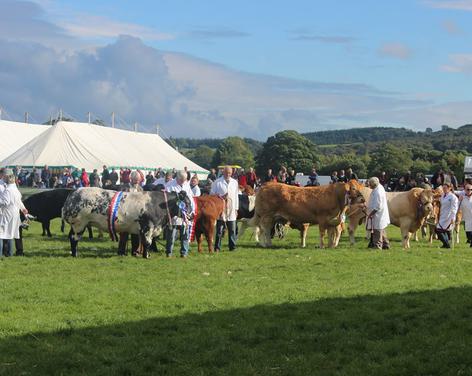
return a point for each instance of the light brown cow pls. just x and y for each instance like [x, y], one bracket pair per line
[322, 205]
[432, 220]
[407, 210]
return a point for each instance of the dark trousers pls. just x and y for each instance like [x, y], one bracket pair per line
[444, 237]
[469, 237]
[220, 230]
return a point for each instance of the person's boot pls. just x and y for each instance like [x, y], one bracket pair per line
[444, 240]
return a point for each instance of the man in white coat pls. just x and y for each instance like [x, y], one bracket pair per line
[378, 217]
[178, 184]
[227, 188]
[447, 215]
[10, 206]
[465, 204]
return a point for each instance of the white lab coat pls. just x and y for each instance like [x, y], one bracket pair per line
[378, 202]
[448, 211]
[230, 191]
[466, 208]
[10, 206]
[173, 186]
[196, 191]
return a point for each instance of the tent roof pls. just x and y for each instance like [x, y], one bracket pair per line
[15, 135]
[91, 146]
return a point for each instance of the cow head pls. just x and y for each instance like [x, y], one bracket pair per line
[183, 203]
[425, 203]
[356, 190]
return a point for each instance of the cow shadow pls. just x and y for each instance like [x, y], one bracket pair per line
[415, 333]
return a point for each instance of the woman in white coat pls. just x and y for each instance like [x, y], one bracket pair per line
[465, 205]
[447, 215]
[378, 217]
[10, 206]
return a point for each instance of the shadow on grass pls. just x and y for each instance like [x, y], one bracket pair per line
[423, 333]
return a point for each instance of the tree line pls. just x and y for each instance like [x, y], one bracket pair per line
[369, 151]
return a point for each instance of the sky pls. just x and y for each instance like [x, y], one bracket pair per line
[249, 68]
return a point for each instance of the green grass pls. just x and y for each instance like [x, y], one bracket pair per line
[281, 311]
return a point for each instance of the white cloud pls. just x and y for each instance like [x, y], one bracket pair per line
[465, 5]
[90, 26]
[395, 50]
[459, 63]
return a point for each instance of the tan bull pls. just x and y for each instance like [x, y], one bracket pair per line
[407, 210]
[322, 205]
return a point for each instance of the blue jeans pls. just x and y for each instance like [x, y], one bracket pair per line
[171, 233]
[220, 230]
[10, 247]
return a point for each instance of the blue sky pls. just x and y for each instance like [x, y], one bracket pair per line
[412, 59]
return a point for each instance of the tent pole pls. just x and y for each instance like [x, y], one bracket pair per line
[1, 113]
[113, 119]
[26, 117]
[89, 117]
[135, 126]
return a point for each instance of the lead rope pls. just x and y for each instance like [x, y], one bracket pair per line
[167, 208]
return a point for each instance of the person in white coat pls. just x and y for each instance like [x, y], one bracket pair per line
[447, 215]
[378, 217]
[179, 184]
[227, 188]
[10, 206]
[465, 204]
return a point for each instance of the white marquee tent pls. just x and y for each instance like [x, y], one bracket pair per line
[14, 135]
[89, 146]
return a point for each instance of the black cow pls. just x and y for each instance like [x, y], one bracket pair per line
[141, 213]
[47, 205]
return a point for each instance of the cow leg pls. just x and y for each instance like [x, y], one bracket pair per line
[322, 234]
[406, 234]
[266, 228]
[43, 226]
[352, 231]
[90, 232]
[63, 225]
[457, 227]
[122, 242]
[416, 236]
[303, 232]
[146, 244]
[48, 228]
[100, 234]
[331, 236]
[209, 236]
[338, 233]
[199, 236]
[257, 231]
[74, 241]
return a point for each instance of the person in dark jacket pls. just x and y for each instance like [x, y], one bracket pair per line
[46, 176]
[269, 176]
[113, 176]
[351, 175]
[105, 175]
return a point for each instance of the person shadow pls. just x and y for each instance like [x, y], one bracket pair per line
[414, 333]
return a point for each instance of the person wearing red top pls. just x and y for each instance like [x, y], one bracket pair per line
[242, 178]
[84, 178]
[251, 178]
[125, 176]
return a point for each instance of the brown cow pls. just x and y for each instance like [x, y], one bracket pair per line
[209, 209]
[322, 205]
[407, 210]
[432, 220]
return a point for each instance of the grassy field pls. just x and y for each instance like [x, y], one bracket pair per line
[283, 311]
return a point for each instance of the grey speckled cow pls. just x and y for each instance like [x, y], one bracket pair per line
[141, 213]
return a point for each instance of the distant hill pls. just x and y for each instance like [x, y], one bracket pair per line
[355, 135]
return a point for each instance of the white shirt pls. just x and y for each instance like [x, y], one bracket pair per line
[230, 191]
[10, 206]
[173, 186]
[159, 181]
[448, 211]
[466, 208]
[196, 190]
[378, 202]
